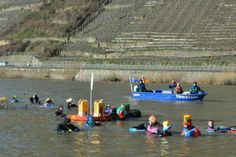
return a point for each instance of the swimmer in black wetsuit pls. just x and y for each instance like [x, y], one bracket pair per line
[60, 112]
[67, 126]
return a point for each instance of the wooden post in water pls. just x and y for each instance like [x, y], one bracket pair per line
[131, 86]
[91, 96]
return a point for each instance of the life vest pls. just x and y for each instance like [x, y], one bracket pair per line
[121, 112]
[178, 90]
[194, 132]
[121, 115]
[211, 130]
[195, 89]
[154, 129]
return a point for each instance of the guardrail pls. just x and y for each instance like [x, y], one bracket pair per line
[210, 68]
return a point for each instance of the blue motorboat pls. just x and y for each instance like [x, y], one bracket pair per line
[160, 95]
[168, 95]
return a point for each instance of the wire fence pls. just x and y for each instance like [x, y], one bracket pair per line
[181, 68]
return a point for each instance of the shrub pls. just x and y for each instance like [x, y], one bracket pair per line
[22, 46]
[51, 49]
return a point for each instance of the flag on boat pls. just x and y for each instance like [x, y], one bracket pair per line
[145, 80]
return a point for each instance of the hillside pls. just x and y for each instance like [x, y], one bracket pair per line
[192, 32]
[43, 26]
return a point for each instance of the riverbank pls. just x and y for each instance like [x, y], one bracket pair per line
[212, 78]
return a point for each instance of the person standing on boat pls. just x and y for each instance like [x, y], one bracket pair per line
[178, 89]
[189, 130]
[141, 87]
[195, 89]
[173, 85]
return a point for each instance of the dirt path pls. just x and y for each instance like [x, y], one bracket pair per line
[32, 7]
[73, 40]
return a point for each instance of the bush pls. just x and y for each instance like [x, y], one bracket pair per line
[50, 49]
[23, 46]
[228, 82]
[13, 47]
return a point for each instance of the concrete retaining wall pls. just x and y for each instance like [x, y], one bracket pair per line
[119, 75]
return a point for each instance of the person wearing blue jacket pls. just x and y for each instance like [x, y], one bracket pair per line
[173, 85]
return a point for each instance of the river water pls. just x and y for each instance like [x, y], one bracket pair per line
[32, 132]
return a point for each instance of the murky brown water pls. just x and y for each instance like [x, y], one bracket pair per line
[33, 133]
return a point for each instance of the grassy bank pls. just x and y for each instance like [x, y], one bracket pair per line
[210, 78]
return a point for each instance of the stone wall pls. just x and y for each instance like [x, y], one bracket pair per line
[36, 73]
[227, 78]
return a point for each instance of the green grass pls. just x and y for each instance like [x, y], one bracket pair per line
[30, 33]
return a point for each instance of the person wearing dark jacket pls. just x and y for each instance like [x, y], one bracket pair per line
[141, 87]
[67, 126]
[31, 99]
[70, 103]
[36, 98]
[60, 112]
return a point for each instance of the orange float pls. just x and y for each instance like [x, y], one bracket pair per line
[98, 114]
[76, 118]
